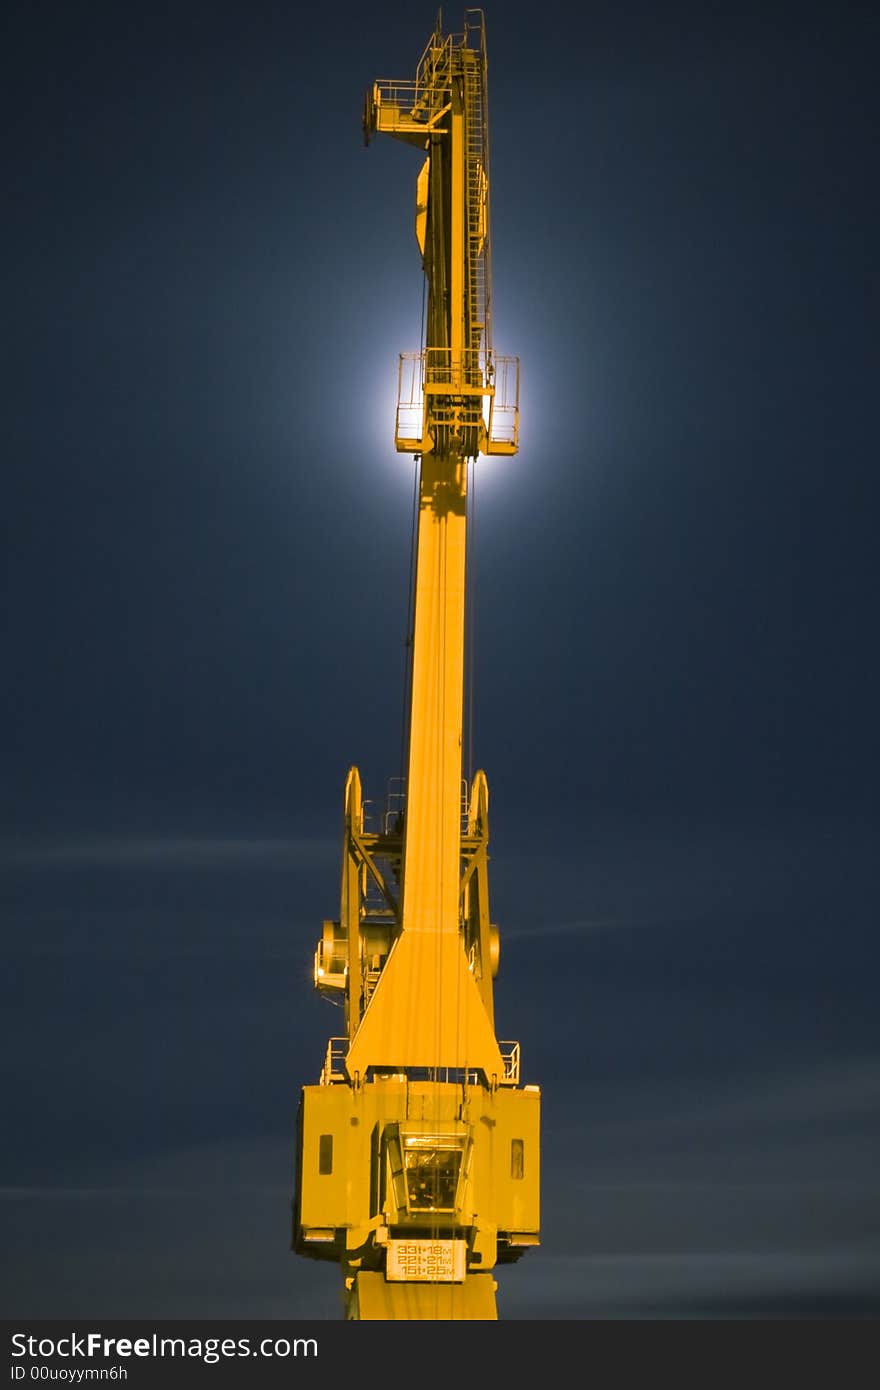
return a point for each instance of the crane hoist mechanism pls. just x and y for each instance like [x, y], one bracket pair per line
[418, 1150]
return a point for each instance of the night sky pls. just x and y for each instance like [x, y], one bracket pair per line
[676, 681]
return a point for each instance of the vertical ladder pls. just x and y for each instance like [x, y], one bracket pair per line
[477, 185]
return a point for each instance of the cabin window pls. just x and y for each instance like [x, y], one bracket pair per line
[431, 1175]
[517, 1158]
[325, 1154]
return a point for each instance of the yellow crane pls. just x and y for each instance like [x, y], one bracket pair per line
[418, 1150]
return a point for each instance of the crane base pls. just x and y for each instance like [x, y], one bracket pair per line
[374, 1298]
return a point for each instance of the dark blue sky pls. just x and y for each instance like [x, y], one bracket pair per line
[208, 279]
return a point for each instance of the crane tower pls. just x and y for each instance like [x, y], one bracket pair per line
[418, 1150]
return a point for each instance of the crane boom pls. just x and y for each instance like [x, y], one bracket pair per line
[418, 1151]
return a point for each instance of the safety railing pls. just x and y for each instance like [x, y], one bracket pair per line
[407, 106]
[436, 59]
[503, 421]
[333, 1070]
[395, 805]
[330, 966]
[510, 1056]
[461, 375]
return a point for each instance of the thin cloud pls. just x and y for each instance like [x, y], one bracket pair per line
[181, 852]
[784, 1103]
[590, 924]
[646, 1284]
[90, 1194]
